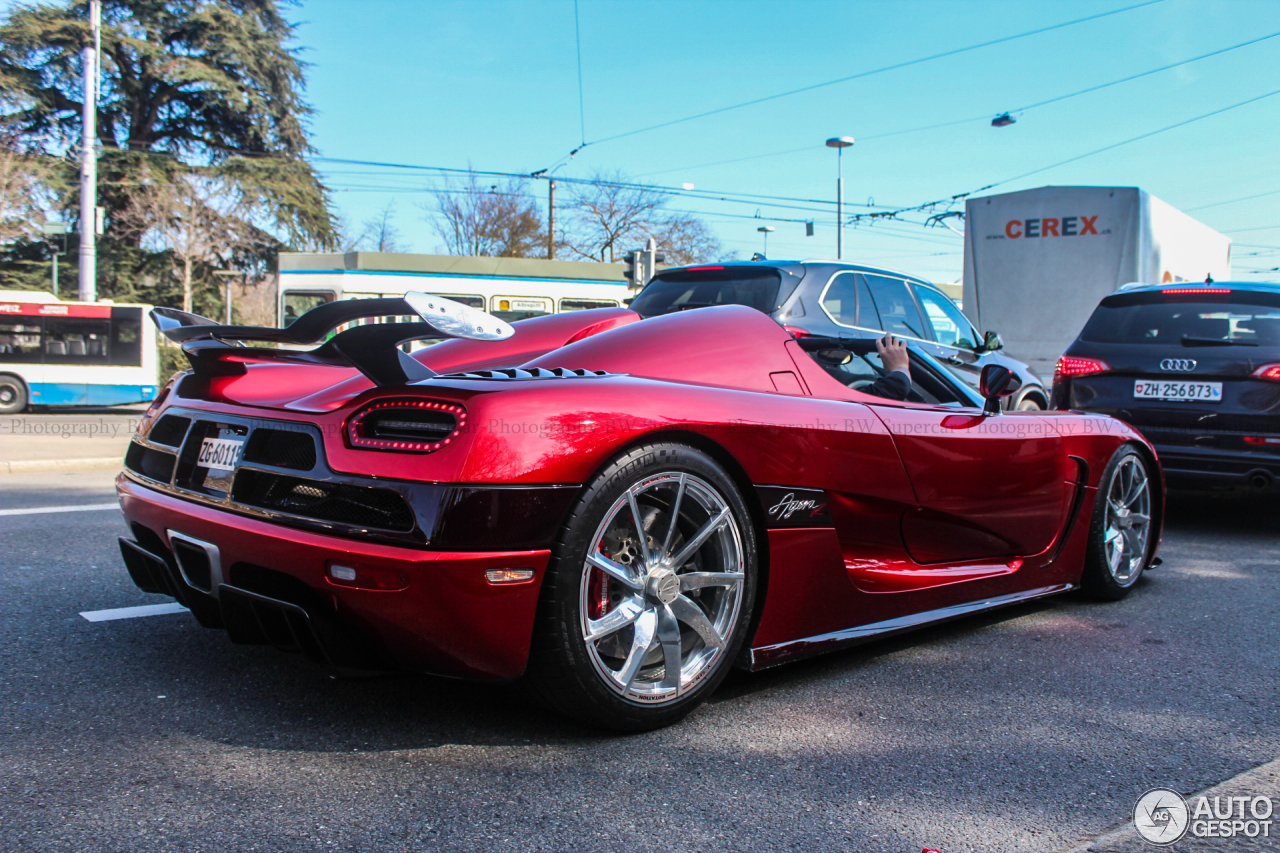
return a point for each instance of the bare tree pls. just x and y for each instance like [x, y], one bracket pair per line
[610, 215]
[382, 234]
[685, 240]
[502, 220]
[345, 238]
[200, 219]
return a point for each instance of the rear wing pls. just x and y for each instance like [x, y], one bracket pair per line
[374, 349]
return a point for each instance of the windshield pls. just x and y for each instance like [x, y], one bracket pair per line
[702, 287]
[1199, 321]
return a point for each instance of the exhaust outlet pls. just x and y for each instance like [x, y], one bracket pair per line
[1259, 479]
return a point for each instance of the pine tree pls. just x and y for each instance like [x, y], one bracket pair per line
[191, 89]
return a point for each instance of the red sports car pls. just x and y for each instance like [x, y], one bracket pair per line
[617, 509]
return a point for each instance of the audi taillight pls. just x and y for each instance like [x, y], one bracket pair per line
[1268, 371]
[1070, 366]
[406, 426]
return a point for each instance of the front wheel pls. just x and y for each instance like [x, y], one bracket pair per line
[1120, 532]
[649, 591]
[13, 395]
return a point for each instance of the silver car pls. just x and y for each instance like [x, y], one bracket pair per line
[838, 299]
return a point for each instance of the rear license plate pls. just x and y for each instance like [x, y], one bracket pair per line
[1200, 392]
[220, 454]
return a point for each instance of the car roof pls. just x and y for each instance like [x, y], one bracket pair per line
[1190, 286]
[854, 267]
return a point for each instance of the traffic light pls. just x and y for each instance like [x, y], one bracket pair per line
[642, 264]
[634, 266]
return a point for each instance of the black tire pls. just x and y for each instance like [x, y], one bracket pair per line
[570, 673]
[1102, 579]
[13, 394]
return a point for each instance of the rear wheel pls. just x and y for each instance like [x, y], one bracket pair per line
[646, 600]
[1120, 532]
[13, 394]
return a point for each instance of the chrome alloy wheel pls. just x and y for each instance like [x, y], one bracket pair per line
[1128, 520]
[661, 587]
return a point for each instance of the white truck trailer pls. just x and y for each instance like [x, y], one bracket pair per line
[1037, 262]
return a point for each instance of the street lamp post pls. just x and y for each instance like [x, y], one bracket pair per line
[840, 143]
[51, 230]
[226, 276]
[765, 230]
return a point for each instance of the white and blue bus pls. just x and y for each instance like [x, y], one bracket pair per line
[55, 353]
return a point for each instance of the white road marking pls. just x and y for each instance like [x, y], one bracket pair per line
[41, 510]
[133, 612]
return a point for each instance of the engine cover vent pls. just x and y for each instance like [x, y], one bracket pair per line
[528, 373]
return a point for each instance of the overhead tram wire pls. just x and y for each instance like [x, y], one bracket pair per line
[582, 110]
[727, 162]
[711, 195]
[1259, 228]
[1138, 138]
[1085, 91]
[1233, 201]
[895, 66]
[728, 199]
[933, 205]
[987, 115]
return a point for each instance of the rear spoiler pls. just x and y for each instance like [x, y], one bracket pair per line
[374, 349]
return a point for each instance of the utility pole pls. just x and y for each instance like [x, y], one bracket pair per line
[89, 162]
[551, 220]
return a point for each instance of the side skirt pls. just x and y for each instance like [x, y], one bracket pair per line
[767, 656]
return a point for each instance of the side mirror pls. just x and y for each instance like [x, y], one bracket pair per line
[996, 382]
[834, 357]
[991, 342]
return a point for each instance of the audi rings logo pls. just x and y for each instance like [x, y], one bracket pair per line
[1183, 364]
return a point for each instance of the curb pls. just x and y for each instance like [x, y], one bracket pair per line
[35, 466]
[1265, 778]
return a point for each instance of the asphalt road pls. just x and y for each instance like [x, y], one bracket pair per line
[1034, 729]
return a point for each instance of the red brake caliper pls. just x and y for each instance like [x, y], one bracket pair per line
[598, 593]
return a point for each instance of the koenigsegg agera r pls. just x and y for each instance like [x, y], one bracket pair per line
[617, 509]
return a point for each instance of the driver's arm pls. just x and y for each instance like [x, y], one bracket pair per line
[896, 382]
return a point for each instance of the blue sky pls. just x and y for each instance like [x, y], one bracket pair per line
[494, 86]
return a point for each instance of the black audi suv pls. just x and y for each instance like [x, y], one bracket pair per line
[835, 299]
[1196, 368]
